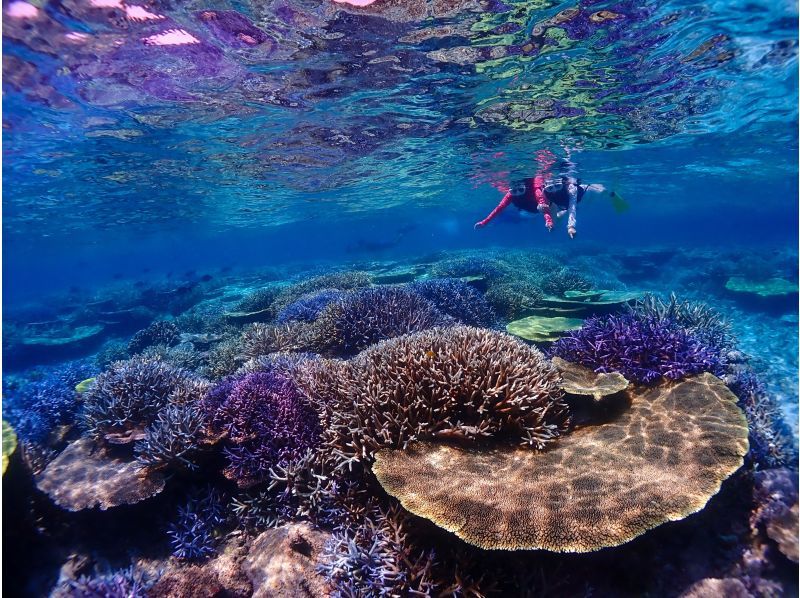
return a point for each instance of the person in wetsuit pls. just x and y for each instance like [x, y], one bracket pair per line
[541, 194]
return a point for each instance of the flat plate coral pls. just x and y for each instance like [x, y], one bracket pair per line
[84, 476]
[660, 460]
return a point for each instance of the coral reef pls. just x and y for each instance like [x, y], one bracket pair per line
[462, 267]
[37, 408]
[340, 281]
[307, 308]
[563, 280]
[643, 349]
[660, 460]
[110, 352]
[262, 339]
[266, 422]
[192, 534]
[127, 397]
[458, 382]
[124, 583]
[365, 317]
[158, 333]
[224, 359]
[511, 300]
[258, 300]
[456, 299]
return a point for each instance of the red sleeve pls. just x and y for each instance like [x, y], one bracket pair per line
[500, 207]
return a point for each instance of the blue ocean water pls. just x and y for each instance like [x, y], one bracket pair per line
[186, 161]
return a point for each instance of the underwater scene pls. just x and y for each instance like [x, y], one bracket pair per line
[400, 298]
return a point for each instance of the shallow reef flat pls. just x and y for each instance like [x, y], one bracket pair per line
[493, 423]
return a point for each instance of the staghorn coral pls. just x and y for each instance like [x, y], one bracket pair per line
[643, 349]
[458, 382]
[266, 422]
[158, 333]
[224, 359]
[512, 300]
[123, 583]
[376, 558]
[127, 397]
[173, 438]
[365, 317]
[340, 281]
[262, 339]
[698, 319]
[181, 356]
[36, 408]
[307, 308]
[563, 280]
[456, 299]
[282, 362]
[660, 460]
[192, 533]
[772, 442]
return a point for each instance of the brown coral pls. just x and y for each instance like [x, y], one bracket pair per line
[262, 339]
[85, 476]
[660, 460]
[460, 382]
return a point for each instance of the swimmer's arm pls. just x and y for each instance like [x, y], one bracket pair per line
[595, 187]
[500, 207]
[572, 210]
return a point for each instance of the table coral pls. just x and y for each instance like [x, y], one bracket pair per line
[598, 486]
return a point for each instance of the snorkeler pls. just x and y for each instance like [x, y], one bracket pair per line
[542, 194]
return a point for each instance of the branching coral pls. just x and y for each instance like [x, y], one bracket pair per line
[127, 397]
[224, 359]
[173, 437]
[363, 318]
[643, 349]
[459, 382]
[36, 408]
[307, 307]
[125, 583]
[772, 443]
[697, 318]
[563, 280]
[456, 299]
[340, 281]
[112, 351]
[266, 422]
[192, 534]
[262, 339]
[376, 558]
[158, 333]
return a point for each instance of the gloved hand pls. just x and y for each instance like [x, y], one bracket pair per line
[478, 225]
[572, 232]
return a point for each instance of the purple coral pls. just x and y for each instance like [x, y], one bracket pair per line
[267, 423]
[38, 407]
[367, 316]
[192, 534]
[308, 306]
[457, 299]
[643, 349]
[125, 583]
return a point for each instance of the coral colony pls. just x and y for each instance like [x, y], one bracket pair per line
[390, 439]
